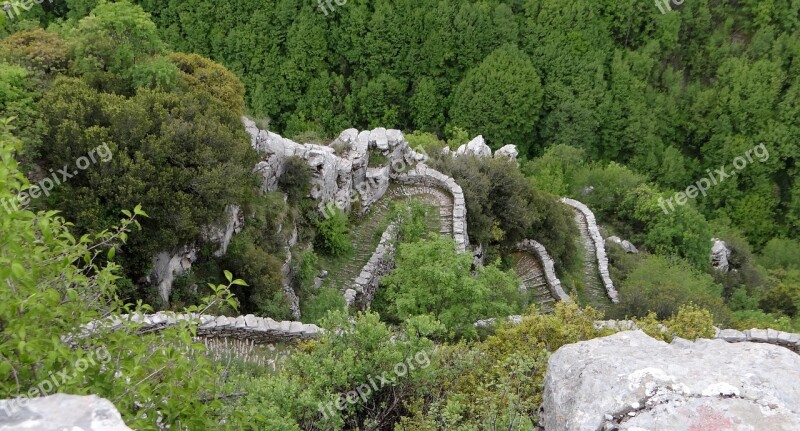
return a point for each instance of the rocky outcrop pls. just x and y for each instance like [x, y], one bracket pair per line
[222, 235]
[541, 254]
[599, 244]
[476, 147]
[260, 330]
[629, 381]
[624, 243]
[167, 266]
[508, 152]
[60, 412]
[720, 255]
[422, 174]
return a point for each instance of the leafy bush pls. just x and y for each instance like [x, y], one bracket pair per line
[431, 278]
[662, 285]
[51, 276]
[780, 253]
[315, 308]
[332, 234]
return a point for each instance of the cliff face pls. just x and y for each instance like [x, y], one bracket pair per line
[629, 381]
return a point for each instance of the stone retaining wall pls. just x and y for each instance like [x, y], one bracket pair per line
[768, 336]
[380, 263]
[425, 175]
[260, 330]
[533, 247]
[599, 244]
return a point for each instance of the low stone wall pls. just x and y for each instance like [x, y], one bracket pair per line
[768, 336]
[425, 175]
[380, 263]
[599, 244]
[261, 330]
[533, 247]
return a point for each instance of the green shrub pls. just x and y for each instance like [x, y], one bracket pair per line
[318, 305]
[332, 234]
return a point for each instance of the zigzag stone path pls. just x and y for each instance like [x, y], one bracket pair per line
[595, 249]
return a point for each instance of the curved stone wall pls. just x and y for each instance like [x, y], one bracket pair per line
[599, 244]
[540, 252]
[425, 175]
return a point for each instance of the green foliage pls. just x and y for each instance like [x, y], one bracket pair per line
[315, 308]
[111, 40]
[500, 99]
[346, 359]
[662, 286]
[784, 296]
[332, 234]
[52, 276]
[499, 382]
[431, 278]
[198, 72]
[157, 73]
[503, 208]
[781, 253]
[163, 150]
[555, 170]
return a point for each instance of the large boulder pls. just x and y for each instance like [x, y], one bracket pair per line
[629, 381]
[509, 152]
[60, 412]
[476, 147]
[624, 243]
[720, 255]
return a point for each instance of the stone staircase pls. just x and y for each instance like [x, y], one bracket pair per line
[366, 233]
[594, 292]
[531, 273]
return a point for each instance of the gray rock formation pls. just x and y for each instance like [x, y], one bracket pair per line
[624, 243]
[167, 266]
[60, 412]
[720, 253]
[540, 252]
[629, 381]
[599, 243]
[508, 152]
[476, 147]
[223, 235]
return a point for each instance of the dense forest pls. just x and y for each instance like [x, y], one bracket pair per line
[674, 126]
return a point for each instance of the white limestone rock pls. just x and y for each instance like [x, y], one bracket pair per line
[508, 152]
[720, 255]
[60, 412]
[476, 147]
[629, 381]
